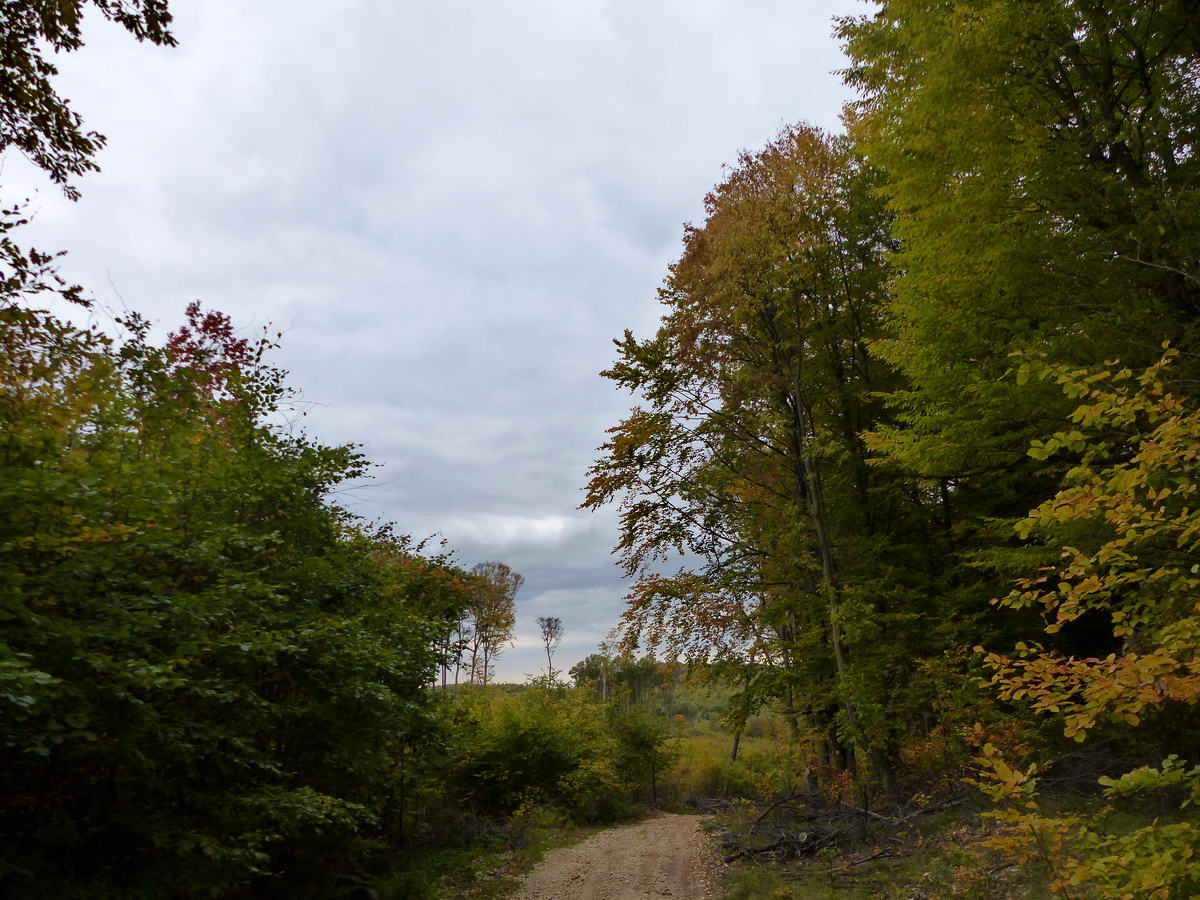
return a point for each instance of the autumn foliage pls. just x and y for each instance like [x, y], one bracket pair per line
[908, 430]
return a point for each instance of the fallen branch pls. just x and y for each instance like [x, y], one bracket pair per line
[868, 812]
[804, 843]
[770, 809]
[879, 854]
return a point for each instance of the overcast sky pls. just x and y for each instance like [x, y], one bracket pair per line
[451, 207]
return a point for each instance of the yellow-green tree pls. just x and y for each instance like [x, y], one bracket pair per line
[1040, 161]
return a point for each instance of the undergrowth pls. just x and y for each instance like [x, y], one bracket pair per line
[955, 852]
[487, 866]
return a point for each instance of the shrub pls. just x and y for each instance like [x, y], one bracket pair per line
[208, 673]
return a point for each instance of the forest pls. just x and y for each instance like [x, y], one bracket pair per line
[908, 506]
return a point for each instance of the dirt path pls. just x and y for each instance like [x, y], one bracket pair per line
[666, 856]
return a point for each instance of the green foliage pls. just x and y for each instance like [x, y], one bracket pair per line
[523, 752]
[855, 427]
[860, 347]
[643, 748]
[636, 680]
[1128, 537]
[208, 672]
[808, 570]
[556, 748]
[1040, 164]
[703, 771]
[1086, 856]
[755, 884]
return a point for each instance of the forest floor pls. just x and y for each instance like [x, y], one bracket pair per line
[665, 856]
[927, 857]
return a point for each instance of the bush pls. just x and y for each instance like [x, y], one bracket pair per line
[209, 675]
[538, 746]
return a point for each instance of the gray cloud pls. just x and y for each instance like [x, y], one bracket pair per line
[451, 208]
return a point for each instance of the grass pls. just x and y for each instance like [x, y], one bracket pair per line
[704, 771]
[488, 868]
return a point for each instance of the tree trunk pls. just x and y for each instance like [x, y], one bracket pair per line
[887, 776]
[829, 584]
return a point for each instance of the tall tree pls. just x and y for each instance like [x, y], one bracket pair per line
[552, 635]
[748, 455]
[1041, 161]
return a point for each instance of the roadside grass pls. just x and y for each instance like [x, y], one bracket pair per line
[489, 867]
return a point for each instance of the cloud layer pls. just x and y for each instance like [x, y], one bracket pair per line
[451, 208]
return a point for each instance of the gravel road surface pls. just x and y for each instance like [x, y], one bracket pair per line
[667, 856]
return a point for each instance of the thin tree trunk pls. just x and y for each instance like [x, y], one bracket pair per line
[829, 585]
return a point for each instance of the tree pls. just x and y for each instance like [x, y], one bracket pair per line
[1040, 162]
[643, 748]
[210, 675]
[748, 455]
[552, 634]
[492, 615]
[592, 673]
[35, 119]
[626, 677]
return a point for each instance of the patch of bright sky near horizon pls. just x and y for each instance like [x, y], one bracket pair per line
[450, 208]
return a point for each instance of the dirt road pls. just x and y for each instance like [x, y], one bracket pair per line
[666, 856]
